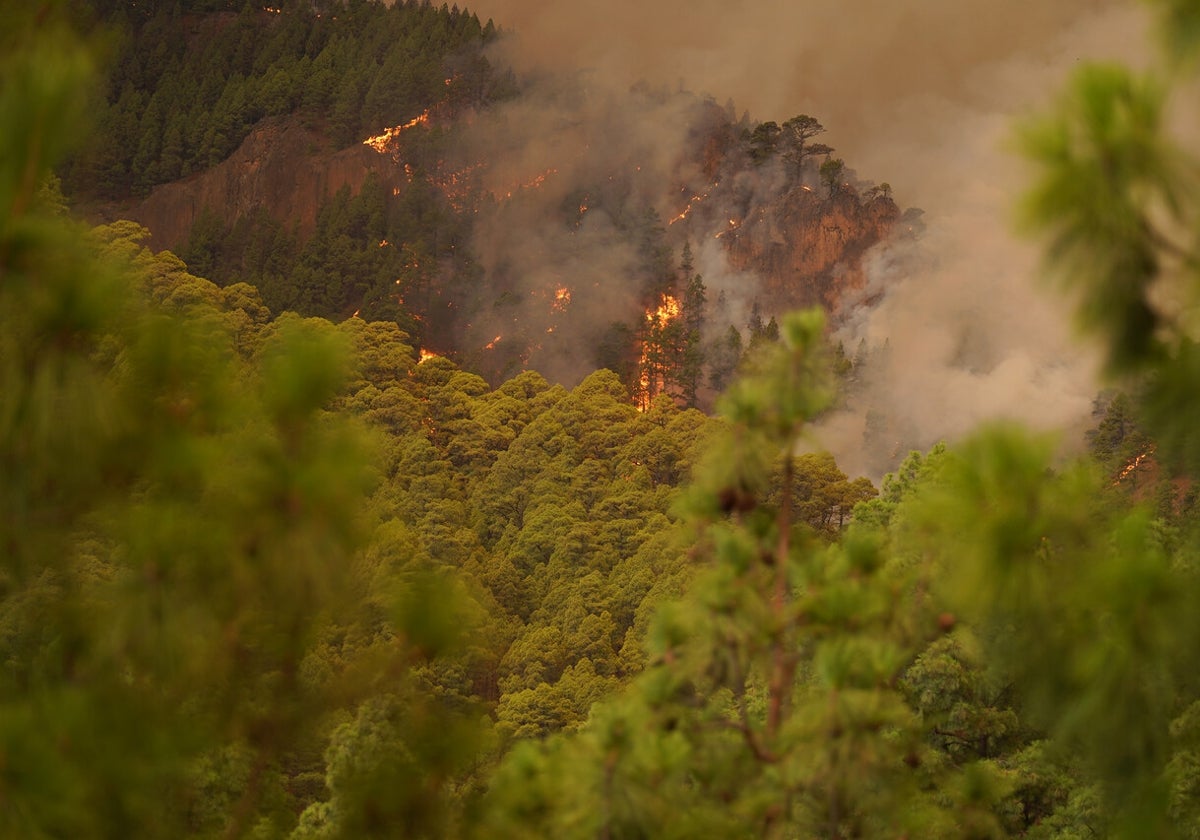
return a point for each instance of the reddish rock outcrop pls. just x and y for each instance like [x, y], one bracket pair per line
[282, 167]
[808, 247]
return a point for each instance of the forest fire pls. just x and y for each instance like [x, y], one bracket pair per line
[491, 345]
[692, 202]
[458, 185]
[533, 184]
[426, 355]
[734, 224]
[380, 142]
[668, 310]
[1133, 464]
[651, 373]
[562, 299]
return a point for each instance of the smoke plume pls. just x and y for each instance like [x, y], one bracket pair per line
[921, 94]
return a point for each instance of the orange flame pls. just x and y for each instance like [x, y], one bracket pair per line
[380, 142]
[426, 355]
[491, 345]
[668, 310]
[651, 382]
[734, 224]
[1133, 464]
[562, 298]
[692, 202]
[533, 184]
[456, 184]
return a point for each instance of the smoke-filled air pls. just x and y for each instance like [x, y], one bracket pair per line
[949, 322]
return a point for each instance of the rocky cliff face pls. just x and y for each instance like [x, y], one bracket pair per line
[808, 247]
[283, 167]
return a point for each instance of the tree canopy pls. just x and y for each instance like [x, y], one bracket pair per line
[264, 575]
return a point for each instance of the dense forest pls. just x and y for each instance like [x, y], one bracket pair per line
[268, 574]
[397, 242]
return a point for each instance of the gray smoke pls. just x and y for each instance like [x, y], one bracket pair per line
[921, 94]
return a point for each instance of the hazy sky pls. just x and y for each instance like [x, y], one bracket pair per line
[922, 94]
[854, 64]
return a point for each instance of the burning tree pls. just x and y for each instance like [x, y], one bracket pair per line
[671, 360]
[660, 350]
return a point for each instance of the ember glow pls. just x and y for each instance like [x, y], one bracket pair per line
[426, 355]
[380, 142]
[1133, 464]
[734, 224]
[491, 345]
[562, 299]
[458, 185]
[533, 184]
[692, 202]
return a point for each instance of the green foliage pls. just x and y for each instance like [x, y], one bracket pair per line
[1108, 173]
[767, 685]
[1076, 604]
[368, 66]
[1116, 198]
[832, 173]
[181, 517]
[275, 576]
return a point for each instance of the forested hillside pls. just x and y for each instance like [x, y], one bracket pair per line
[266, 574]
[338, 160]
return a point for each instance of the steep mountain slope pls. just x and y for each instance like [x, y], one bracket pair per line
[283, 168]
[511, 227]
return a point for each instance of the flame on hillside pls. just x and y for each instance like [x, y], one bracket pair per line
[380, 142]
[426, 355]
[1133, 464]
[532, 184]
[491, 345]
[692, 202]
[562, 299]
[667, 310]
[651, 378]
[734, 224]
[458, 185]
